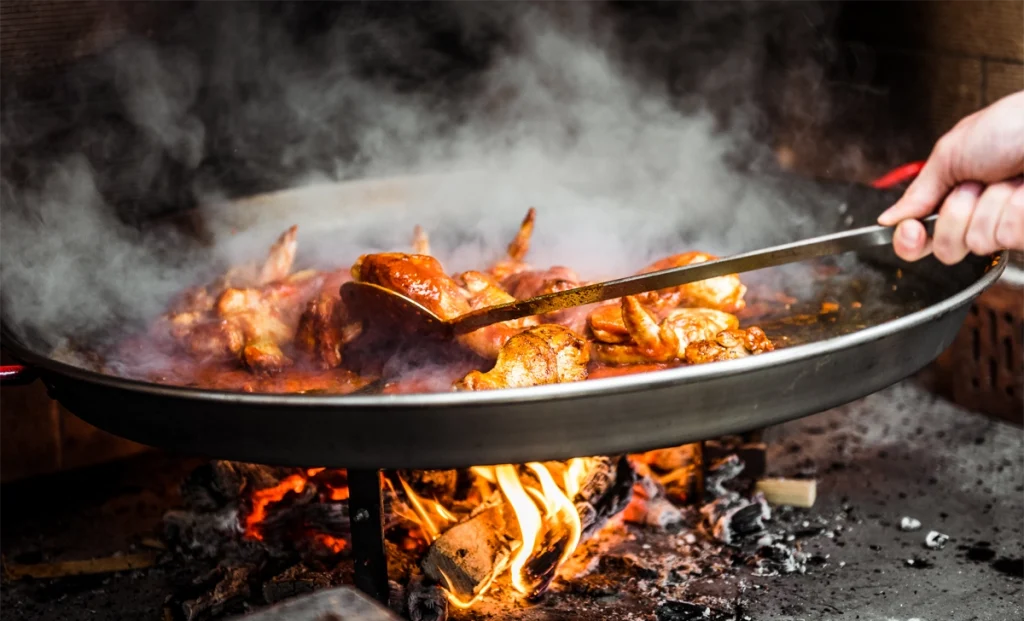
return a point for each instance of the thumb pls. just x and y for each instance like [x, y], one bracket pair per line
[927, 191]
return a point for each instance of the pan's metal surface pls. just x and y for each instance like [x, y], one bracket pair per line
[823, 365]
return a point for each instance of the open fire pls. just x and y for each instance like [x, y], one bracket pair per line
[455, 537]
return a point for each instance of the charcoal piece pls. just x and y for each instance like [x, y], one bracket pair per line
[605, 492]
[230, 592]
[674, 458]
[627, 565]
[426, 601]
[466, 555]
[540, 569]
[935, 540]
[657, 513]
[754, 455]
[909, 524]
[733, 518]
[595, 585]
[200, 534]
[221, 483]
[719, 473]
[682, 611]
[329, 518]
[295, 580]
[778, 559]
[437, 485]
[397, 597]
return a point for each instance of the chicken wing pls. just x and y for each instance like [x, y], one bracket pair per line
[418, 277]
[729, 345]
[517, 250]
[724, 293]
[545, 354]
[652, 341]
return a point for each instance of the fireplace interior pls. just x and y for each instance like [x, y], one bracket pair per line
[907, 504]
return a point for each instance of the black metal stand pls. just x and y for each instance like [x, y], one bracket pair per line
[366, 509]
[701, 469]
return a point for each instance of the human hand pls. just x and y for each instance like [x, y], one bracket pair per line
[975, 174]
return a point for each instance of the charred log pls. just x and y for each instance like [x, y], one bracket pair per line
[439, 485]
[605, 492]
[231, 589]
[426, 601]
[222, 483]
[733, 518]
[295, 580]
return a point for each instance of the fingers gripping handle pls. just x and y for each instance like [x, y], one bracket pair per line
[16, 375]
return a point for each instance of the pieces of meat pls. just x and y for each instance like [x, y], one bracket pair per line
[420, 241]
[517, 250]
[418, 277]
[724, 293]
[729, 345]
[545, 354]
[280, 258]
[323, 330]
[482, 291]
[653, 341]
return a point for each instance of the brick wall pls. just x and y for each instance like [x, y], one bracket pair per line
[968, 55]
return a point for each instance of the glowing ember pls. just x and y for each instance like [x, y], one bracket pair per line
[262, 498]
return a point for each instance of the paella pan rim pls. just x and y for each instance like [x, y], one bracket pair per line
[591, 388]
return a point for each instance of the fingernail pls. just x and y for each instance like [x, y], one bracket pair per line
[910, 234]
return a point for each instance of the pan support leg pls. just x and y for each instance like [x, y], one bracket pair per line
[366, 508]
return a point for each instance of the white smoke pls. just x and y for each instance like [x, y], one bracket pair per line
[557, 121]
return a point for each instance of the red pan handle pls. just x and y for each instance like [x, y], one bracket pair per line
[16, 375]
[897, 176]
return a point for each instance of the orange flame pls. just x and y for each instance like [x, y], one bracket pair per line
[263, 497]
[543, 507]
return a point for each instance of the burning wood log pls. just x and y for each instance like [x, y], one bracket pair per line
[791, 492]
[605, 492]
[221, 483]
[468, 555]
[61, 569]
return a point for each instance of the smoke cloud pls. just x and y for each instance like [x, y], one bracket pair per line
[631, 142]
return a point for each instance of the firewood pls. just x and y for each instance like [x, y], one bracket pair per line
[231, 590]
[426, 601]
[754, 455]
[669, 459]
[469, 554]
[295, 580]
[790, 492]
[658, 513]
[219, 483]
[438, 485]
[605, 492]
[61, 569]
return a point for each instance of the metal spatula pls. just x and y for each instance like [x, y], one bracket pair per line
[417, 318]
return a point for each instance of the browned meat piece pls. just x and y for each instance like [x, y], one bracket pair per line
[281, 257]
[420, 241]
[265, 357]
[483, 291]
[545, 354]
[651, 341]
[215, 339]
[729, 345]
[324, 328]
[724, 293]
[517, 250]
[418, 277]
